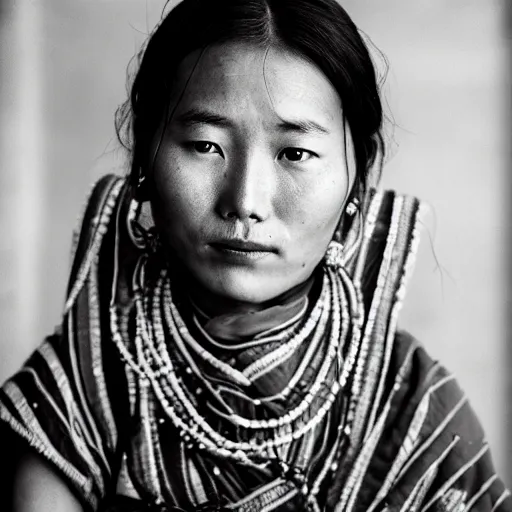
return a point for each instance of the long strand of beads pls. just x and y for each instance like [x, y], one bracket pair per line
[188, 421]
[343, 429]
[276, 357]
[115, 322]
[216, 446]
[156, 331]
[285, 334]
[223, 415]
[269, 443]
[304, 405]
[176, 393]
[314, 344]
[174, 319]
[323, 372]
[315, 488]
[307, 401]
[319, 331]
[142, 368]
[161, 353]
[353, 319]
[306, 361]
[275, 332]
[322, 413]
[246, 377]
[193, 430]
[125, 354]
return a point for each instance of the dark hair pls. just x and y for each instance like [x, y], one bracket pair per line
[319, 30]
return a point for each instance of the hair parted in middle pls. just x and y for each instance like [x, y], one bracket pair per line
[320, 31]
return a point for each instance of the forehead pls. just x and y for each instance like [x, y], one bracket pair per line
[240, 77]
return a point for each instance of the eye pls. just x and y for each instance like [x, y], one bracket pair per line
[296, 154]
[203, 146]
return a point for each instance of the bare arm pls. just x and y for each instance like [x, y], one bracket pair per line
[38, 488]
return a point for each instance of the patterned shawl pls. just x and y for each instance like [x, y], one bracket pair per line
[415, 444]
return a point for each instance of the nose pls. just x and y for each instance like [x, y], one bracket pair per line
[246, 192]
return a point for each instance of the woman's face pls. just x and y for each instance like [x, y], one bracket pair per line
[250, 178]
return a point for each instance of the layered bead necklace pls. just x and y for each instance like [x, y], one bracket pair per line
[163, 348]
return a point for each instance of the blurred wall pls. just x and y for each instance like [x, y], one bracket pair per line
[62, 75]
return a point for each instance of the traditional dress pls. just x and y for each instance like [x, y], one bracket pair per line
[142, 402]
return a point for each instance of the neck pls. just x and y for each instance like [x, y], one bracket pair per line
[214, 305]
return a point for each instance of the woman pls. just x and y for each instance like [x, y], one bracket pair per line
[229, 340]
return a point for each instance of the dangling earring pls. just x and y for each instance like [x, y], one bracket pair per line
[140, 192]
[334, 256]
[352, 207]
[144, 236]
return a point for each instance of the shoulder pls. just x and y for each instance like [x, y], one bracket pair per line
[69, 401]
[432, 388]
[98, 218]
[440, 449]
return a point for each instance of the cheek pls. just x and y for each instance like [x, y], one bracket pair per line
[318, 206]
[180, 200]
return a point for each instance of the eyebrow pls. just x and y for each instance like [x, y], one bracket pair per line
[195, 116]
[302, 126]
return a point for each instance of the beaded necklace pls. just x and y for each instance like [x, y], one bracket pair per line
[164, 352]
[153, 364]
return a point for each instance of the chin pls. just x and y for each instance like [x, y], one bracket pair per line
[243, 285]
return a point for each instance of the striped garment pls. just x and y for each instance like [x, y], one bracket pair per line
[415, 443]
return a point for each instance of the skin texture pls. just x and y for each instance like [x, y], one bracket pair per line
[251, 177]
[38, 488]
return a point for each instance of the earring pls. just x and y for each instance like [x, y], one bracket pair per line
[352, 207]
[334, 254]
[141, 228]
[141, 192]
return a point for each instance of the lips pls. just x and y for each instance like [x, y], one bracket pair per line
[241, 252]
[242, 246]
